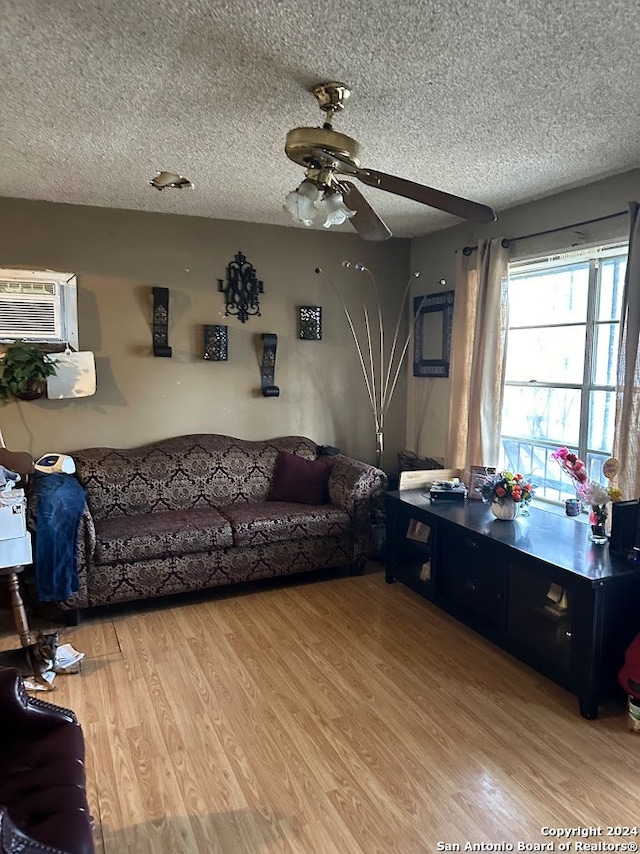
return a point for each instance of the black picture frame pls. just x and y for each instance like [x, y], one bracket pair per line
[433, 316]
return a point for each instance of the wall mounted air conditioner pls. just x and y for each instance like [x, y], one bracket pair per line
[38, 306]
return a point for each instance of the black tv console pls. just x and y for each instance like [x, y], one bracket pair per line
[535, 586]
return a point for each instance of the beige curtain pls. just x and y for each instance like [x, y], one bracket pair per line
[626, 443]
[478, 356]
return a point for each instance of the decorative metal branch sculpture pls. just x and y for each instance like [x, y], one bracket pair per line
[382, 383]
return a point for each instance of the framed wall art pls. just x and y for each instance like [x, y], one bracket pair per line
[432, 334]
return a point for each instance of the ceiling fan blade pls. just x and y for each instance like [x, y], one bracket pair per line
[366, 221]
[409, 189]
[427, 196]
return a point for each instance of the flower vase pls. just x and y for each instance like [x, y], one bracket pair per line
[506, 511]
[597, 535]
[597, 519]
[608, 520]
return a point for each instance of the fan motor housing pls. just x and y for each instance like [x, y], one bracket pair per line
[301, 142]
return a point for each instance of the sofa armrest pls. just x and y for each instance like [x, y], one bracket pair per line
[85, 550]
[13, 840]
[353, 486]
[87, 532]
[23, 716]
[42, 775]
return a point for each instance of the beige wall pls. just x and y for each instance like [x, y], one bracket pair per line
[428, 400]
[119, 255]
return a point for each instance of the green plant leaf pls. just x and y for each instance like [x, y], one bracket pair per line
[22, 366]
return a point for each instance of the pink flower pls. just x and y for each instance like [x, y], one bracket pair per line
[592, 493]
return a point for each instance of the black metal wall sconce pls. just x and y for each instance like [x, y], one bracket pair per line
[241, 289]
[161, 322]
[268, 369]
[310, 326]
[216, 343]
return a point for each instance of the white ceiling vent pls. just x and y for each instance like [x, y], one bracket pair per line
[38, 306]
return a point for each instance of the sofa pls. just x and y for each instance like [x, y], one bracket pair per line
[198, 511]
[43, 802]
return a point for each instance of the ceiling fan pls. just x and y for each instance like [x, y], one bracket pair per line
[329, 156]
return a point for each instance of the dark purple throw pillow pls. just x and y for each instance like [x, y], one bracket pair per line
[301, 481]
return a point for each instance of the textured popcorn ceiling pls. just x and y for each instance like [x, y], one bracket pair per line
[497, 101]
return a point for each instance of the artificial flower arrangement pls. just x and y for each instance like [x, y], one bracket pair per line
[594, 494]
[506, 486]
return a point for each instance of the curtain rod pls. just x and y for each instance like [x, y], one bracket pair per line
[507, 241]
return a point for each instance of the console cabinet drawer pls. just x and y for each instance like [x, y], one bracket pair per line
[540, 621]
[475, 582]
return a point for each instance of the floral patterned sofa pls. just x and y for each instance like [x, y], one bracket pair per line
[193, 512]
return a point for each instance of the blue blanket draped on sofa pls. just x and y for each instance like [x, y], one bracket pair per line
[58, 509]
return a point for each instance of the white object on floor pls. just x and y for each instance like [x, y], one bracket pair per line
[67, 656]
[32, 685]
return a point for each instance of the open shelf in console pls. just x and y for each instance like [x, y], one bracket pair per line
[413, 553]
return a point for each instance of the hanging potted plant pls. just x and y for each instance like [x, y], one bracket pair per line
[24, 369]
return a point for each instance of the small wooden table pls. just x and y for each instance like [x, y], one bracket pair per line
[17, 605]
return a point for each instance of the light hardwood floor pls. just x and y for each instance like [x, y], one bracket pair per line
[344, 715]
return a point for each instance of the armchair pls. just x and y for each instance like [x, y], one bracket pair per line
[43, 803]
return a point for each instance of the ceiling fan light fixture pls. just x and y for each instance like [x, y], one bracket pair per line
[331, 157]
[310, 203]
[300, 203]
[333, 209]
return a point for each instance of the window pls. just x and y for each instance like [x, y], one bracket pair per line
[562, 349]
[38, 306]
